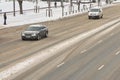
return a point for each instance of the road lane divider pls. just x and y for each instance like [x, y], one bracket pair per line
[59, 65]
[11, 72]
[117, 53]
[83, 51]
[101, 67]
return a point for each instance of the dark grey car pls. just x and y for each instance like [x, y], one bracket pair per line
[35, 32]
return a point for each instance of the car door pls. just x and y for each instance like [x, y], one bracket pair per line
[42, 31]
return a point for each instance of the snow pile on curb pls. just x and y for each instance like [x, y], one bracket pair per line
[19, 20]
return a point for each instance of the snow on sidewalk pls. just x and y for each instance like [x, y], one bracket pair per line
[32, 17]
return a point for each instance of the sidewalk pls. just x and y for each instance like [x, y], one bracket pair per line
[32, 17]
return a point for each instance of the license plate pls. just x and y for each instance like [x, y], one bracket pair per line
[27, 36]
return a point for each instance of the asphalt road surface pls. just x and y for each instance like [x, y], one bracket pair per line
[94, 59]
[101, 62]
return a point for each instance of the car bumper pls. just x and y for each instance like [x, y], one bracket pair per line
[97, 16]
[29, 37]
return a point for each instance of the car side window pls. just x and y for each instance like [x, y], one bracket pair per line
[39, 28]
[43, 27]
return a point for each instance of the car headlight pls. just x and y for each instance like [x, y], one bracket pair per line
[34, 34]
[96, 14]
[23, 34]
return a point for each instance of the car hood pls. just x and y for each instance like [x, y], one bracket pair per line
[93, 12]
[30, 32]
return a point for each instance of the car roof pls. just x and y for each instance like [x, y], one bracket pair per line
[37, 25]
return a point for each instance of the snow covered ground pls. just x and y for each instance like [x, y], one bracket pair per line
[32, 17]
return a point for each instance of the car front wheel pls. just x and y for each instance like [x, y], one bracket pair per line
[89, 17]
[46, 34]
[38, 37]
[23, 39]
[102, 16]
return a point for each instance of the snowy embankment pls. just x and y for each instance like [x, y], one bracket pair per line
[30, 17]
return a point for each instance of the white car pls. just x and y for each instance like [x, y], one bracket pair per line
[95, 12]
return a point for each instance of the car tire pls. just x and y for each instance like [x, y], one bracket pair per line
[38, 37]
[98, 17]
[102, 16]
[89, 17]
[23, 39]
[46, 34]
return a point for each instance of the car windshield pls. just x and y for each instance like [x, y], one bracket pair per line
[33, 28]
[94, 10]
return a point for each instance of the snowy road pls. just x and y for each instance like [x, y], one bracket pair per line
[14, 50]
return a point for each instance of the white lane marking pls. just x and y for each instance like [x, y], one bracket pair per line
[83, 51]
[60, 64]
[111, 34]
[117, 53]
[100, 67]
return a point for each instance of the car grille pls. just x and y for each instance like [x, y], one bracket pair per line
[28, 34]
[93, 14]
